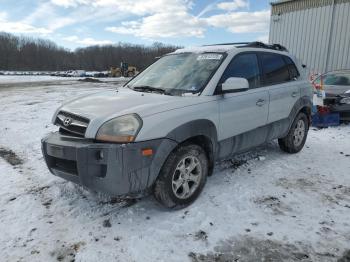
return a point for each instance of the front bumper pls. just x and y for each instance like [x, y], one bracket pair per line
[115, 169]
[343, 110]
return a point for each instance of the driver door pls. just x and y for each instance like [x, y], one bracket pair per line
[245, 111]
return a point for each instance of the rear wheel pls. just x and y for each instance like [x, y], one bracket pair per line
[182, 177]
[296, 137]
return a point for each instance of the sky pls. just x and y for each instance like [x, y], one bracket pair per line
[80, 23]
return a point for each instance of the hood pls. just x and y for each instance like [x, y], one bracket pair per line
[103, 106]
[125, 101]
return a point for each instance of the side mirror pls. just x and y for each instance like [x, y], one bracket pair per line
[235, 84]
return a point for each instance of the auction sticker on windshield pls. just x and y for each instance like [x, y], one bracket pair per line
[209, 57]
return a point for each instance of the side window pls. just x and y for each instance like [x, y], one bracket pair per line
[245, 66]
[293, 71]
[274, 68]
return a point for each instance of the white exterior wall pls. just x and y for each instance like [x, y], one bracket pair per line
[319, 36]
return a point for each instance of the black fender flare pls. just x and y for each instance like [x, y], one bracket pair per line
[200, 127]
[302, 102]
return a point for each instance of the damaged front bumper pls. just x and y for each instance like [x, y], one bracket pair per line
[343, 110]
[335, 106]
[115, 169]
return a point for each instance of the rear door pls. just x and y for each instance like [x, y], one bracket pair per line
[241, 112]
[280, 76]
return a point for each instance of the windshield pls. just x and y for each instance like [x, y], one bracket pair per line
[339, 79]
[183, 73]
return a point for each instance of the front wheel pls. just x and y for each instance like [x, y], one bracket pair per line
[296, 137]
[182, 177]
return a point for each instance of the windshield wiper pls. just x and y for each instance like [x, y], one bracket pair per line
[149, 89]
[180, 92]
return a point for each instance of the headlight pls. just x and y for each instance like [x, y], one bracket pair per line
[345, 100]
[122, 129]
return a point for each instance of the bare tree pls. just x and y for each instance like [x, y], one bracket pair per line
[24, 53]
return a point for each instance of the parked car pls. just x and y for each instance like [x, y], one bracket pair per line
[337, 88]
[165, 129]
[90, 73]
[76, 73]
[100, 74]
[63, 73]
[57, 73]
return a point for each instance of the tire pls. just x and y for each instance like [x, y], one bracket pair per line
[170, 188]
[296, 137]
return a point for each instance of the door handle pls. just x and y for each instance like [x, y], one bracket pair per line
[260, 102]
[294, 94]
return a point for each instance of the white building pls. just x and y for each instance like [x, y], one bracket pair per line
[316, 31]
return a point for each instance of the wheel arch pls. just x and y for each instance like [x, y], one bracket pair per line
[304, 105]
[307, 111]
[200, 132]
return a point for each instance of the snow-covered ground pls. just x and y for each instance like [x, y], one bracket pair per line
[30, 78]
[13, 79]
[262, 206]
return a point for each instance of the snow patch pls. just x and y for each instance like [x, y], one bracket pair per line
[285, 206]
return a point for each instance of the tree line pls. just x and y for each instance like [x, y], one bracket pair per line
[19, 53]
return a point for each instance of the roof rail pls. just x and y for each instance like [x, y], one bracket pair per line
[238, 43]
[277, 47]
[256, 44]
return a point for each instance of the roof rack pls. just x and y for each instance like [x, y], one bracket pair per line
[256, 44]
[277, 47]
[238, 43]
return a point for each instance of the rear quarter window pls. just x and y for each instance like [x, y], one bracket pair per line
[293, 71]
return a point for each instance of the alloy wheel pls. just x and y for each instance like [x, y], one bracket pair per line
[186, 177]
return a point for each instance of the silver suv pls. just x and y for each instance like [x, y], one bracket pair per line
[165, 129]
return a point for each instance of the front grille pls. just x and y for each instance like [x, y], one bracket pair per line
[71, 124]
